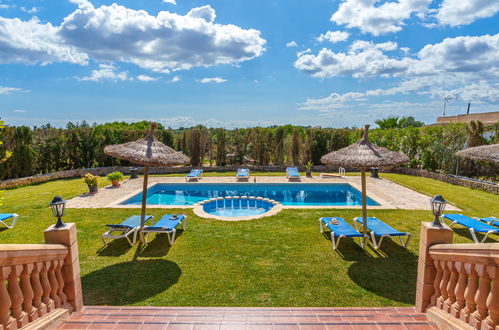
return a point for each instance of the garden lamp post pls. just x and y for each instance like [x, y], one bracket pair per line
[58, 205]
[437, 207]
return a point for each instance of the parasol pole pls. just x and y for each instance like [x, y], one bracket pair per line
[144, 197]
[364, 201]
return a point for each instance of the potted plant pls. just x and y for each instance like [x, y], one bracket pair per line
[115, 178]
[91, 181]
[309, 169]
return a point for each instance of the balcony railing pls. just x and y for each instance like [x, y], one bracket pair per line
[466, 282]
[31, 282]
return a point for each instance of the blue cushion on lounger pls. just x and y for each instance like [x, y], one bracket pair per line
[167, 222]
[379, 228]
[131, 222]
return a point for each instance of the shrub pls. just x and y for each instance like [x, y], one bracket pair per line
[115, 176]
[90, 179]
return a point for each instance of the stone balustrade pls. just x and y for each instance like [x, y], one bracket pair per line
[467, 282]
[458, 284]
[31, 282]
[38, 279]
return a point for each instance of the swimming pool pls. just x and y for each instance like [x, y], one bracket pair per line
[291, 194]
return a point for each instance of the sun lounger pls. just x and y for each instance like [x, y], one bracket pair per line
[7, 216]
[382, 230]
[339, 229]
[341, 174]
[126, 228]
[493, 221]
[167, 225]
[292, 173]
[473, 225]
[194, 174]
[242, 174]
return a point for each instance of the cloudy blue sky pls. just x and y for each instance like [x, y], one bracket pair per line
[246, 62]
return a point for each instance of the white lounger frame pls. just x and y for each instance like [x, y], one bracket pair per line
[377, 244]
[170, 233]
[494, 219]
[108, 235]
[246, 177]
[14, 216]
[472, 231]
[289, 177]
[363, 240]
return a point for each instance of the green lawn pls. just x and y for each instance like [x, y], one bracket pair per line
[277, 261]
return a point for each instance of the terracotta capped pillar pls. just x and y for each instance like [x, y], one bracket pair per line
[71, 268]
[426, 270]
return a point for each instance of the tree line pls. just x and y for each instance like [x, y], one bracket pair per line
[47, 149]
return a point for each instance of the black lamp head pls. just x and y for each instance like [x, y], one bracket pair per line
[437, 207]
[58, 204]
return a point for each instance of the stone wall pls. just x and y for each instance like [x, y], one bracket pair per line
[103, 171]
[445, 178]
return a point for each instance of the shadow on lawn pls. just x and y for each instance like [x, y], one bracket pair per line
[392, 275]
[115, 248]
[158, 246]
[129, 282]
[464, 232]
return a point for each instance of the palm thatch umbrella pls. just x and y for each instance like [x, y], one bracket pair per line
[147, 152]
[487, 153]
[364, 155]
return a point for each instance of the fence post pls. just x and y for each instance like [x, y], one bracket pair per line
[71, 269]
[426, 269]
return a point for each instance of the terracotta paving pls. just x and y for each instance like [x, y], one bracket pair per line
[190, 318]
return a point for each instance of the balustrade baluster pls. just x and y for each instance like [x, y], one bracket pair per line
[6, 320]
[436, 283]
[16, 296]
[54, 285]
[60, 282]
[41, 309]
[443, 285]
[27, 291]
[481, 297]
[460, 289]
[49, 303]
[492, 320]
[451, 287]
[469, 293]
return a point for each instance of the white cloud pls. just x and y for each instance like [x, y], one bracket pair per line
[32, 10]
[173, 2]
[146, 78]
[32, 42]
[303, 52]
[388, 17]
[19, 111]
[455, 13]
[106, 72]
[4, 6]
[217, 80]
[161, 43]
[333, 36]
[9, 90]
[175, 79]
[475, 56]
[291, 44]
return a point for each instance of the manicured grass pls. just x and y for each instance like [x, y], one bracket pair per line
[277, 261]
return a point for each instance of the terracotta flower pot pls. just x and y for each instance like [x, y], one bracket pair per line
[116, 183]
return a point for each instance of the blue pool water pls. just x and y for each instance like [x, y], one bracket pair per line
[334, 194]
[237, 207]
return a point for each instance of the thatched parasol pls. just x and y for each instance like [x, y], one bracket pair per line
[488, 153]
[363, 155]
[147, 152]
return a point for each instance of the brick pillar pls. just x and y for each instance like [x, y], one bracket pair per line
[426, 270]
[71, 268]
